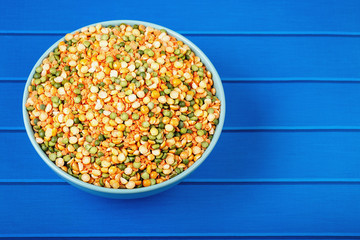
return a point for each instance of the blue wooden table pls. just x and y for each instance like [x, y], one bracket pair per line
[287, 164]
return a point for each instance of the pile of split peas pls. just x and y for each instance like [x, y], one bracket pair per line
[123, 106]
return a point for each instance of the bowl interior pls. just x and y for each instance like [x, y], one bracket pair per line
[164, 185]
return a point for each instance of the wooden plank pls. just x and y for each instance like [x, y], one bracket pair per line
[229, 210]
[237, 157]
[233, 56]
[253, 105]
[228, 15]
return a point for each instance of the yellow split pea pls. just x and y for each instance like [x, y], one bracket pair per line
[123, 106]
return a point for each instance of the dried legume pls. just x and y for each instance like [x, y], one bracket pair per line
[123, 106]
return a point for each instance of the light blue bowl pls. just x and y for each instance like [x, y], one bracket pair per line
[138, 192]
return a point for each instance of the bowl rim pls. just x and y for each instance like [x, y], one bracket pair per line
[77, 182]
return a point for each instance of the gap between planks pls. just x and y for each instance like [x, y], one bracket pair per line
[252, 129]
[210, 33]
[210, 181]
[325, 235]
[241, 80]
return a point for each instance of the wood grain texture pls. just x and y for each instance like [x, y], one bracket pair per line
[219, 210]
[253, 105]
[228, 15]
[232, 56]
[287, 164]
[238, 156]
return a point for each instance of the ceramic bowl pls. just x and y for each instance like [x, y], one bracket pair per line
[137, 192]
